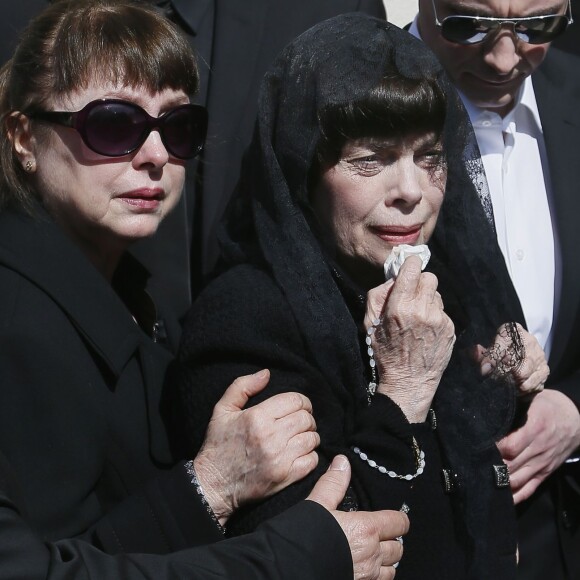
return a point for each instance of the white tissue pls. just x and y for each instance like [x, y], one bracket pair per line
[400, 253]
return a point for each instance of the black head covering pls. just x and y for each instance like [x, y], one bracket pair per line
[339, 61]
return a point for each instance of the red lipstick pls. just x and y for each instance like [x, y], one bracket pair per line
[396, 235]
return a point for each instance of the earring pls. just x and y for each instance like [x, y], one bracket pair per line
[28, 166]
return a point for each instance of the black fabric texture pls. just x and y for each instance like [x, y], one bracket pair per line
[268, 225]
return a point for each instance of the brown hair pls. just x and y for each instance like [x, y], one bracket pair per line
[71, 44]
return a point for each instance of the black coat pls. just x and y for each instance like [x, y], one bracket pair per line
[81, 429]
[241, 323]
[286, 548]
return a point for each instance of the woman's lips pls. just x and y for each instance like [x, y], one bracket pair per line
[396, 235]
[143, 199]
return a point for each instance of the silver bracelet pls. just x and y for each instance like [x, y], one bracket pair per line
[419, 462]
[190, 469]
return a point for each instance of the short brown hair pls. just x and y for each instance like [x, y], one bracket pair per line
[74, 42]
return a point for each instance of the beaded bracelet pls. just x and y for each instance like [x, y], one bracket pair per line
[190, 469]
[419, 462]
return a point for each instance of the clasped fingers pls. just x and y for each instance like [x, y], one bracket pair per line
[373, 538]
[278, 445]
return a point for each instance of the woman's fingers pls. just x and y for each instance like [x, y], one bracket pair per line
[392, 552]
[296, 423]
[407, 282]
[284, 404]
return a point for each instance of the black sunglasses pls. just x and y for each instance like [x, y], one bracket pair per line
[474, 29]
[115, 128]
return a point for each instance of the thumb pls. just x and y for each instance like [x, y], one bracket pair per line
[239, 392]
[331, 488]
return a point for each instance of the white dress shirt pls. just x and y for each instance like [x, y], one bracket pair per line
[515, 161]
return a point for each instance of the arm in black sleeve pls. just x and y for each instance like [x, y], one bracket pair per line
[166, 512]
[305, 542]
[239, 326]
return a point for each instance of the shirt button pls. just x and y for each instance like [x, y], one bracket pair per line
[520, 255]
[486, 123]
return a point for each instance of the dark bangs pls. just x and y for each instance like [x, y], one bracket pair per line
[396, 107]
[125, 45]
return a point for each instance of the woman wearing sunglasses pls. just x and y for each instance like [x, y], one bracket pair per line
[96, 127]
[362, 145]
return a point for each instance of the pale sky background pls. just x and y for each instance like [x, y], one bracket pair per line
[400, 12]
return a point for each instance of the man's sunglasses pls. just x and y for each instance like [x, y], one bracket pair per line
[474, 29]
[115, 128]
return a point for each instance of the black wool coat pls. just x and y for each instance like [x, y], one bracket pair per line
[85, 466]
[242, 323]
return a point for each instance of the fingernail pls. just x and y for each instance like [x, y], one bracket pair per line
[485, 369]
[261, 374]
[339, 463]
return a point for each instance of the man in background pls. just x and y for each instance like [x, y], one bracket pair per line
[523, 99]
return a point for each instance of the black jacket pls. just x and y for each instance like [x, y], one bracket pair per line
[241, 323]
[288, 547]
[81, 429]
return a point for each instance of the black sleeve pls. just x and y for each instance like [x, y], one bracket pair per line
[241, 324]
[167, 512]
[305, 542]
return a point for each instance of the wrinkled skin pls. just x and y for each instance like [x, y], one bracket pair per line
[414, 342]
[250, 454]
[373, 537]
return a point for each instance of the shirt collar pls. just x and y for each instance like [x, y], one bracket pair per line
[525, 103]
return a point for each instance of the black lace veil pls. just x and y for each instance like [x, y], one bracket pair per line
[334, 62]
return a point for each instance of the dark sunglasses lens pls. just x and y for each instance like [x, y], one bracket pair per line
[114, 129]
[542, 30]
[184, 131]
[463, 30]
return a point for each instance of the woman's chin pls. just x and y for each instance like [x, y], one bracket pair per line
[138, 228]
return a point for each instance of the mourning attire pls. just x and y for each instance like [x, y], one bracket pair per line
[82, 370]
[283, 303]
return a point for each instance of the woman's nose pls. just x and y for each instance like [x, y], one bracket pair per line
[152, 152]
[407, 187]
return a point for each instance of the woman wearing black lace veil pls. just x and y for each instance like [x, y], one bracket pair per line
[293, 300]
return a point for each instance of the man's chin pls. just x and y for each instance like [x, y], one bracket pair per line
[500, 103]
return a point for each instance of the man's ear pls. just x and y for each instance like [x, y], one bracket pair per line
[19, 129]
